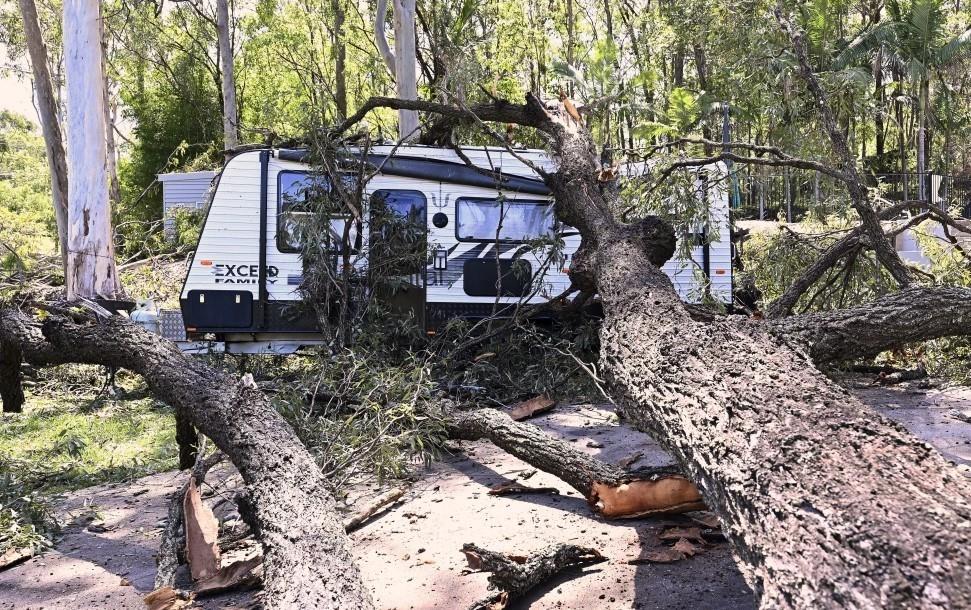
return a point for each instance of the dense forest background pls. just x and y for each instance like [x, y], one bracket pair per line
[647, 71]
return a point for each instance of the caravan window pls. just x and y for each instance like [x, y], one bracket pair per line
[478, 219]
[300, 195]
[399, 231]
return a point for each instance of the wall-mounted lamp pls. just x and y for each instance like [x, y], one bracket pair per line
[440, 259]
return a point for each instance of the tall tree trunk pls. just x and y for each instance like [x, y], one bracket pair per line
[406, 75]
[49, 121]
[880, 98]
[230, 119]
[114, 186]
[402, 62]
[340, 59]
[91, 269]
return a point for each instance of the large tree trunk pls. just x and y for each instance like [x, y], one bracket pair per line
[230, 120]
[307, 554]
[50, 125]
[826, 503]
[91, 269]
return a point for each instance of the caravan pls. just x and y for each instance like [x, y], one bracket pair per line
[490, 235]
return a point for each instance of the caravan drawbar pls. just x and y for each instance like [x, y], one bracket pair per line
[243, 280]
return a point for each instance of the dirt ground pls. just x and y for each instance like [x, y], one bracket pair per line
[410, 554]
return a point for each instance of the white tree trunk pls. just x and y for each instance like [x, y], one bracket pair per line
[49, 121]
[406, 75]
[91, 269]
[402, 62]
[230, 120]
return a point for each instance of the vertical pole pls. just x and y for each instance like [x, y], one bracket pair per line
[788, 198]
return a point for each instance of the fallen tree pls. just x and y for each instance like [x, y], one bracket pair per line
[825, 502]
[306, 553]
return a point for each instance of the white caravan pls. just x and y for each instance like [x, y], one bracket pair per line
[482, 223]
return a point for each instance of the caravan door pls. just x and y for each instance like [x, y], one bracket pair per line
[399, 250]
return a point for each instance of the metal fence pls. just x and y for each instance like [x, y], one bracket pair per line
[792, 194]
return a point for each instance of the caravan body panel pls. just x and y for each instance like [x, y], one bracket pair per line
[231, 256]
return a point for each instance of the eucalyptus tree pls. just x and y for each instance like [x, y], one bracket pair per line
[48, 112]
[91, 268]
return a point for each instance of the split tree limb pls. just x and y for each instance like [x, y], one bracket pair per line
[308, 563]
[610, 491]
[514, 576]
[173, 536]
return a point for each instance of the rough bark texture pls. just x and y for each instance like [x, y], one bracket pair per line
[307, 559]
[611, 491]
[826, 503]
[50, 125]
[514, 576]
[907, 316]
[90, 251]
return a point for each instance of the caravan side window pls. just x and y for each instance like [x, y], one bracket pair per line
[478, 219]
[300, 194]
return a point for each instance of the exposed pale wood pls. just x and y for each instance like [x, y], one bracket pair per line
[372, 507]
[406, 70]
[90, 259]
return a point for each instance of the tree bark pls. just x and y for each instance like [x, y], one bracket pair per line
[400, 63]
[173, 536]
[49, 122]
[307, 554]
[91, 269]
[610, 491]
[340, 59]
[11, 379]
[230, 119]
[826, 503]
[514, 576]
[907, 316]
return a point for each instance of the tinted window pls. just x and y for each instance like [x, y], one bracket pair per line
[399, 232]
[301, 194]
[480, 219]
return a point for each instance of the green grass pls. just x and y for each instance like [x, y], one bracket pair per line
[70, 436]
[71, 440]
